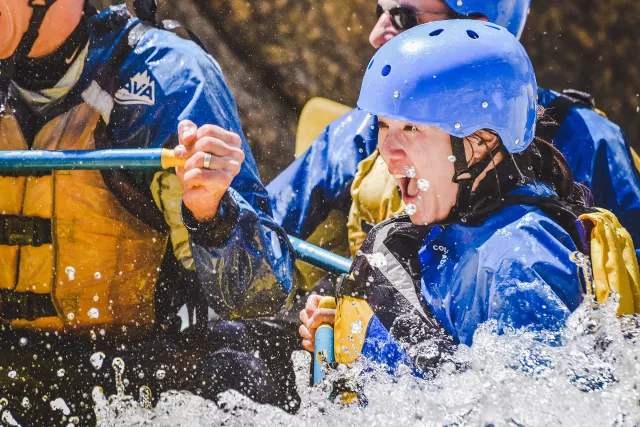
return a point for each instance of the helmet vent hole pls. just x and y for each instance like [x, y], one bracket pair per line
[472, 34]
[436, 32]
[370, 64]
[493, 26]
[386, 70]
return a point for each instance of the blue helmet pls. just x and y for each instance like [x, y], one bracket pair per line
[458, 75]
[511, 14]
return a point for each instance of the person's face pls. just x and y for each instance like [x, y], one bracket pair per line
[429, 10]
[420, 159]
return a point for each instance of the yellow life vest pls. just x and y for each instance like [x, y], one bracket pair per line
[375, 199]
[613, 261]
[100, 264]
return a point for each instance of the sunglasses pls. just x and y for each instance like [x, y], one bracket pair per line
[403, 17]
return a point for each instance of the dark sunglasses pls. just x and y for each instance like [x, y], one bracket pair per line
[403, 17]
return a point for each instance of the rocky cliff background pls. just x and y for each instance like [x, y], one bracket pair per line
[277, 54]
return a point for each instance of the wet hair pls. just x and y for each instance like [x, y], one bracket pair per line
[540, 162]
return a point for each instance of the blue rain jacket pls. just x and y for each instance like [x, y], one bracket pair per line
[242, 258]
[320, 179]
[514, 269]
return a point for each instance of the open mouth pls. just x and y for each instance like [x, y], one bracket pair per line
[409, 186]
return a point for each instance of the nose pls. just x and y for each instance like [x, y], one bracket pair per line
[392, 147]
[382, 32]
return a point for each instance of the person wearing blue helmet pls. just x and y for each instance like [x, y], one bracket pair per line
[342, 170]
[490, 230]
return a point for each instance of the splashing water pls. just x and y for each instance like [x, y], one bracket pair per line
[411, 171]
[410, 209]
[423, 184]
[376, 260]
[514, 379]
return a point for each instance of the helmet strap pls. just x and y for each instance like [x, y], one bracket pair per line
[28, 38]
[465, 176]
[31, 35]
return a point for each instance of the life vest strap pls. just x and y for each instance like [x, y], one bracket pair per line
[26, 305]
[24, 231]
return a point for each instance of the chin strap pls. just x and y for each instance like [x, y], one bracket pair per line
[465, 176]
[40, 9]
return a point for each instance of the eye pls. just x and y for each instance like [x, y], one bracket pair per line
[411, 128]
[383, 125]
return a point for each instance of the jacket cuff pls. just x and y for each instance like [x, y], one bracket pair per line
[217, 231]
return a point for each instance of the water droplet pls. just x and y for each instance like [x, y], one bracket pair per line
[464, 220]
[411, 171]
[423, 184]
[60, 405]
[451, 158]
[23, 342]
[396, 94]
[459, 3]
[93, 313]
[97, 359]
[118, 365]
[517, 141]
[410, 209]
[376, 260]
[97, 275]
[60, 373]
[457, 125]
[145, 397]
[160, 374]
[356, 327]
[13, 374]
[26, 403]
[70, 272]
[71, 316]
[485, 104]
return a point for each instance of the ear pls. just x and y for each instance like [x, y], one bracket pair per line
[487, 143]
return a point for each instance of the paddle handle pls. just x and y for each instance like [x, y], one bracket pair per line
[323, 354]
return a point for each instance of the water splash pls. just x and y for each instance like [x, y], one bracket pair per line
[410, 209]
[518, 378]
[423, 184]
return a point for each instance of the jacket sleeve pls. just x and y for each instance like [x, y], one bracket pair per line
[600, 157]
[243, 244]
[320, 180]
[242, 259]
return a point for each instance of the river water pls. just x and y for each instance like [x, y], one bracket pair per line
[588, 376]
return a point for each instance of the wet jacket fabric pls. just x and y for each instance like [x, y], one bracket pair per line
[513, 268]
[595, 148]
[136, 84]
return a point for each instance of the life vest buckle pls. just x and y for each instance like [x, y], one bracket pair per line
[24, 231]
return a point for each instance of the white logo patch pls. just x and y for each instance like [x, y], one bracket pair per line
[139, 90]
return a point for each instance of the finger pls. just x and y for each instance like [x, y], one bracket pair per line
[304, 317]
[218, 147]
[227, 164]
[187, 132]
[307, 345]
[212, 179]
[304, 333]
[229, 137]
[313, 302]
[323, 315]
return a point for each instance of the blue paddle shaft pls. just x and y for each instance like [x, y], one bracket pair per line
[35, 160]
[143, 158]
[322, 352]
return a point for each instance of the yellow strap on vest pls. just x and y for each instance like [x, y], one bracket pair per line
[636, 159]
[316, 115]
[352, 320]
[613, 261]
